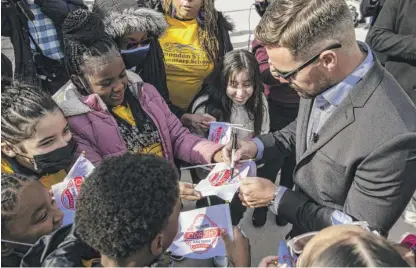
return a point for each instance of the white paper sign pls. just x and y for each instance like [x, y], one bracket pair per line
[219, 132]
[199, 235]
[66, 192]
[220, 183]
[82, 167]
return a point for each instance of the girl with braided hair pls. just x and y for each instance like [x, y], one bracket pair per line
[27, 213]
[35, 136]
[112, 111]
[197, 36]
[136, 27]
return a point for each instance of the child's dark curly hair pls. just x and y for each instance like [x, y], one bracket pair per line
[125, 203]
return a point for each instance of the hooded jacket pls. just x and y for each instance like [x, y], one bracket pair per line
[61, 249]
[124, 17]
[96, 130]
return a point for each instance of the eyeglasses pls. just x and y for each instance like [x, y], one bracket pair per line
[298, 243]
[288, 75]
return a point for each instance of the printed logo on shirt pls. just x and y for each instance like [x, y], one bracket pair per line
[202, 235]
[70, 193]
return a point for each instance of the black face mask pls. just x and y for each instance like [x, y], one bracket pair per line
[55, 161]
[134, 57]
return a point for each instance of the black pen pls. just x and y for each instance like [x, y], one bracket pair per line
[233, 149]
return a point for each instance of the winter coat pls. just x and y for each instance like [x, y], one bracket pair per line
[61, 249]
[15, 26]
[96, 130]
[124, 17]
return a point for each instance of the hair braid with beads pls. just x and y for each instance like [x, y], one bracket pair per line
[207, 27]
[22, 106]
[85, 38]
[11, 185]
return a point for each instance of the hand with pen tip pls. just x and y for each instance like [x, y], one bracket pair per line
[246, 149]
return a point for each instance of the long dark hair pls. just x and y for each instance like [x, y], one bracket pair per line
[218, 103]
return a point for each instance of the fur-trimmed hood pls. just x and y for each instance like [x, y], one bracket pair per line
[124, 17]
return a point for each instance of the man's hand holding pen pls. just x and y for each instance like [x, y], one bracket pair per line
[245, 149]
[254, 191]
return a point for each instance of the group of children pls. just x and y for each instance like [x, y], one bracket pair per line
[127, 212]
[106, 111]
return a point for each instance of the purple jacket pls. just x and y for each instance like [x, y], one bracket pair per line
[96, 131]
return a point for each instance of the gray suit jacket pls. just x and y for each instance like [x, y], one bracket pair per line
[363, 162]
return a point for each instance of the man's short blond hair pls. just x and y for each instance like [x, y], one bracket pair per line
[306, 26]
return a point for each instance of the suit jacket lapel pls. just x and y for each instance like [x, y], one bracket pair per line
[340, 119]
[305, 109]
[344, 114]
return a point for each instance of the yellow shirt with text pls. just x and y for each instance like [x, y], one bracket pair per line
[187, 64]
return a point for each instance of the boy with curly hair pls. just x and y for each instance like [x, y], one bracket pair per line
[129, 209]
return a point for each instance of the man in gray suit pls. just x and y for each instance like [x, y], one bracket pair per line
[355, 135]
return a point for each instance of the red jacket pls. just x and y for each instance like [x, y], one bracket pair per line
[272, 88]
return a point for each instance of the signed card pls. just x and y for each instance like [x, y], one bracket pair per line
[219, 132]
[219, 181]
[199, 234]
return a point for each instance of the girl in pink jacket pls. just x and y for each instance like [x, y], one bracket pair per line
[110, 110]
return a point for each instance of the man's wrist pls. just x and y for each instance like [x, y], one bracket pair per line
[260, 148]
[277, 196]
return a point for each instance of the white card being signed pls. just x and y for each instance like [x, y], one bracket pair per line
[219, 181]
[219, 132]
[199, 234]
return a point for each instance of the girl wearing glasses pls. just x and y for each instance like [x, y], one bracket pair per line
[343, 246]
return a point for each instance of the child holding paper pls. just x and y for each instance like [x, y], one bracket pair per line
[233, 93]
[128, 212]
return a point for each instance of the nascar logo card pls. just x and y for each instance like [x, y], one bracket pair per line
[219, 132]
[199, 234]
[219, 181]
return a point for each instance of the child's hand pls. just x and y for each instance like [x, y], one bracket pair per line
[198, 122]
[238, 250]
[269, 261]
[188, 192]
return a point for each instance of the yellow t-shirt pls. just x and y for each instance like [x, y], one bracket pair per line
[187, 64]
[47, 180]
[146, 142]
